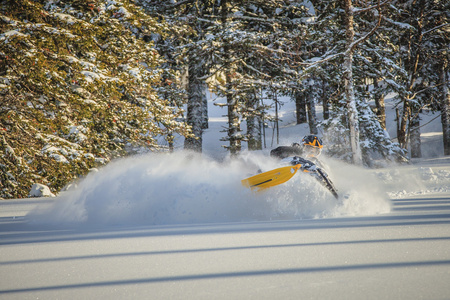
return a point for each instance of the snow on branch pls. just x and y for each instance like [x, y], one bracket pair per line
[436, 28]
[311, 62]
[266, 20]
[426, 89]
[279, 51]
[362, 39]
[398, 24]
[320, 61]
[174, 5]
[378, 5]
[253, 69]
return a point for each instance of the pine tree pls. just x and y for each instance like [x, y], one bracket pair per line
[367, 20]
[189, 48]
[422, 42]
[271, 58]
[79, 87]
[445, 106]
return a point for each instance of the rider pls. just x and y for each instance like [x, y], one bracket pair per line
[312, 147]
[282, 152]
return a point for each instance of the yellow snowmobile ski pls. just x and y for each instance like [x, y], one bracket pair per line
[281, 175]
[270, 178]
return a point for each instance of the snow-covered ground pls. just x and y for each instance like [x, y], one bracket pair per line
[403, 254]
[183, 227]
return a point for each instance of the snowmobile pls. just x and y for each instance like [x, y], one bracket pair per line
[280, 175]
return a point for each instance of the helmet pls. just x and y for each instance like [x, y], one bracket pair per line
[312, 140]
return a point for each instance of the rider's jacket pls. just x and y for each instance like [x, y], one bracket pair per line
[282, 152]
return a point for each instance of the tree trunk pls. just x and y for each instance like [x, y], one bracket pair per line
[254, 133]
[300, 106]
[401, 130]
[445, 107]
[352, 111]
[277, 119]
[233, 123]
[254, 126]
[414, 125]
[205, 118]
[234, 130]
[411, 65]
[325, 101]
[312, 119]
[195, 110]
[379, 103]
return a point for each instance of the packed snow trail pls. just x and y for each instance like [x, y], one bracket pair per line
[184, 188]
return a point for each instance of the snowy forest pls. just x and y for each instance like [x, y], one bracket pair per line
[83, 82]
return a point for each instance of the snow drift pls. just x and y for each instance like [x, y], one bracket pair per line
[182, 188]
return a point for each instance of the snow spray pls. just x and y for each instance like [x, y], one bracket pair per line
[187, 188]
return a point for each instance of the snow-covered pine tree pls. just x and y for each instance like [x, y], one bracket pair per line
[379, 97]
[309, 94]
[234, 135]
[348, 83]
[376, 145]
[77, 88]
[271, 58]
[375, 69]
[300, 107]
[191, 51]
[246, 45]
[422, 43]
[445, 105]
[375, 59]
[313, 90]
[441, 63]
[433, 87]
[337, 133]
[254, 116]
[196, 107]
[323, 74]
[206, 52]
[412, 56]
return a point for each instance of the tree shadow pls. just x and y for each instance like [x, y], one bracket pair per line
[407, 212]
[223, 249]
[228, 275]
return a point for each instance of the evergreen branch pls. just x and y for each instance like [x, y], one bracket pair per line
[279, 51]
[362, 39]
[328, 58]
[180, 3]
[401, 25]
[305, 63]
[224, 66]
[19, 75]
[253, 69]
[206, 21]
[360, 10]
[271, 21]
[436, 28]
[427, 88]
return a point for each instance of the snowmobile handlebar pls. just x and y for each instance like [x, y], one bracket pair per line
[307, 165]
